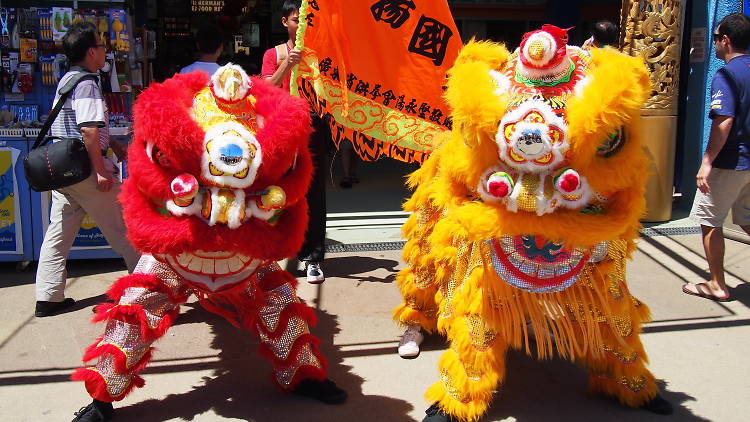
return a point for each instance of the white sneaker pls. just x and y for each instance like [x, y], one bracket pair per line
[314, 273]
[408, 347]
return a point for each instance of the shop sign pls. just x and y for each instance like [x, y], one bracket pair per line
[11, 240]
[206, 6]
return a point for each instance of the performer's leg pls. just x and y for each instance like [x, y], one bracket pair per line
[145, 307]
[419, 307]
[620, 369]
[312, 252]
[65, 221]
[283, 326]
[469, 371]
[418, 283]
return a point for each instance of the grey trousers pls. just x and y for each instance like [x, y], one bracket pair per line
[69, 206]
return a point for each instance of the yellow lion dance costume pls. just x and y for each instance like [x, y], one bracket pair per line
[523, 218]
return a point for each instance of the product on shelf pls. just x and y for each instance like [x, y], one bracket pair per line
[61, 20]
[28, 50]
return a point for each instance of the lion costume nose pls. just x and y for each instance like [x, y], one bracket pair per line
[231, 157]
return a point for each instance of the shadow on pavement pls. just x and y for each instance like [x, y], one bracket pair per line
[241, 387]
[81, 268]
[556, 390]
[354, 268]
[85, 303]
[350, 268]
[741, 294]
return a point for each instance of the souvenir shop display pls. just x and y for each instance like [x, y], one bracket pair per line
[32, 62]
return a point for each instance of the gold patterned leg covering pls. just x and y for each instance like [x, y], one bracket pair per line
[419, 282]
[619, 369]
[470, 370]
[147, 302]
[282, 325]
[622, 371]
[419, 306]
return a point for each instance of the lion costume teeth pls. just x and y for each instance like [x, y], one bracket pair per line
[520, 231]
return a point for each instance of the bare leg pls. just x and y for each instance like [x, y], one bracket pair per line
[713, 245]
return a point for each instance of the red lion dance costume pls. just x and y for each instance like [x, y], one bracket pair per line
[218, 174]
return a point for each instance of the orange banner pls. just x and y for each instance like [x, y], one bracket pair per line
[377, 68]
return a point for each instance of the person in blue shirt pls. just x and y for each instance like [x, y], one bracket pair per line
[210, 44]
[724, 176]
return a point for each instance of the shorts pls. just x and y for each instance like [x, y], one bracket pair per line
[730, 189]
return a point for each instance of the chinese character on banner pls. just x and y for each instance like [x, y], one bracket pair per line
[393, 12]
[430, 39]
[376, 69]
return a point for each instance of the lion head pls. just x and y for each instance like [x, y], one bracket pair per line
[544, 161]
[218, 169]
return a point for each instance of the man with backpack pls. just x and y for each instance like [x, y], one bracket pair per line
[84, 116]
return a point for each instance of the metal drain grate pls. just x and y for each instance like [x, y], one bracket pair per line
[365, 247]
[394, 246]
[669, 231]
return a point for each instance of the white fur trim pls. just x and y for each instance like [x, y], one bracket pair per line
[546, 75]
[193, 209]
[550, 119]
[581, 86]
[234, 215]
[550, 48]
[255, 211]
[220, 91]
[501, 82]
[544, 204]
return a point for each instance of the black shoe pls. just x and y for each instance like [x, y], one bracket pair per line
[45, 309]
[658, 405]
[96, 411]
[436, 414]
[346, 183]
[325, 391]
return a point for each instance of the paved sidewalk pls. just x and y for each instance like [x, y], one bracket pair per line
[206, 370]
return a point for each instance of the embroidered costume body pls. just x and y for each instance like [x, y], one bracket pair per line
[218, 173]
[524, 216]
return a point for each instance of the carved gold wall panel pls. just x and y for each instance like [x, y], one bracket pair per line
[652, 29]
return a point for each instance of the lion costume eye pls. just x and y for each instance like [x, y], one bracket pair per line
[161, 158]
[613, 144]
[157, 156]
